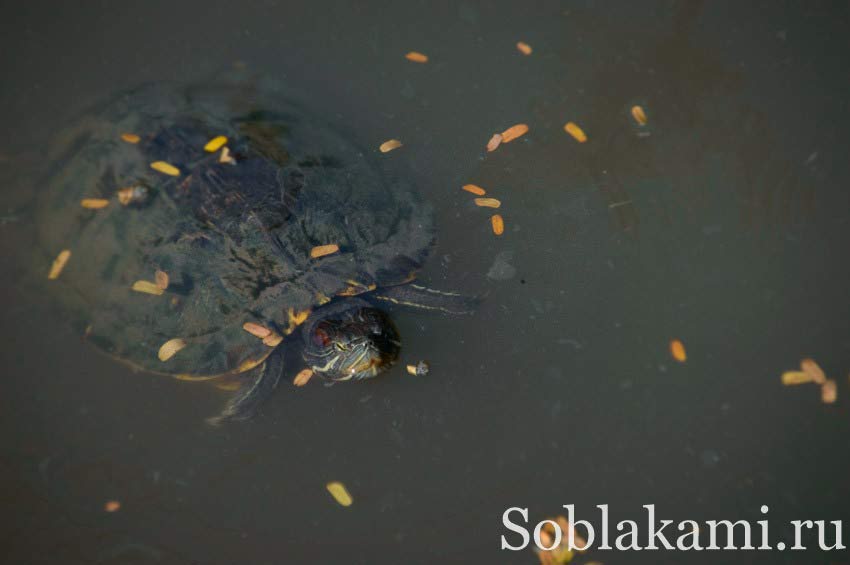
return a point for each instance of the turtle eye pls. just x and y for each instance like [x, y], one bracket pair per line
[321, 337]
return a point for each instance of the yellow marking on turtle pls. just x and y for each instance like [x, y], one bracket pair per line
[322, 298]
[414, 304]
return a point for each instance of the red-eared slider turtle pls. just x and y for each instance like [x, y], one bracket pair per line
[212, 227]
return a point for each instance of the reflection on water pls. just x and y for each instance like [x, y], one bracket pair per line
[721, 222]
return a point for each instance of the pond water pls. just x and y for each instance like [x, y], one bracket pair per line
[721, 222]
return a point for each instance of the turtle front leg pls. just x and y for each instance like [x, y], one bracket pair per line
[258, 385]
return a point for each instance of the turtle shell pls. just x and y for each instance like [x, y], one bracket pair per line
[234, 231]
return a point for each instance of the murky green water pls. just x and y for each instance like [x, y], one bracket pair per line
[722, 223]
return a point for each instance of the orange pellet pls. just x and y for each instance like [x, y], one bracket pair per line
[112, 506]
[790, 378]
[494, 142]
[256, 330]
[476, 190]
[514, 132]
[303, 377]
[677, 350]
[575, 131]
[322, 250]
[389, 145]
[130, 137]
[639, 115]
[523, 47]
[498, 224]
[811, 368]
[828, 392]
[161, 279]
[416, 57]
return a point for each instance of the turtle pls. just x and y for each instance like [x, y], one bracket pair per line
[217, 230]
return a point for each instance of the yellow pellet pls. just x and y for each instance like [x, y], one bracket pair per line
[170, 348]
[474, 189]
[147, 287]
[59, 264]
[487, 202]
[165, 168]
[215, 144]
[340, 493]
[523, 47]
[130, 137]
[416, 57]
[389, 145]
[795, 378]
[94, 203]
[575, 131]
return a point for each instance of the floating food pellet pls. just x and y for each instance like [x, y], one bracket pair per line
[94, 203]
[59, 264]
[340, 493]
[514, 132]
[829, 392]
[523, 47]
[225, 157]
[498, 224]
[416, 57]
[161, 279]
[639, 115]
[487, 202]
[494, 142]
[147, 287]
[112, 506]
[420, 369]
[133, 195]
[474, 189]
[273, 339]
[677, 350]
[130, 137]
[170, 348]
[165, 168]
[322, 250]
[811, 368]
[303, 377]
[389, 145]
[790, 378]
[256, 330]
[215, 144]
[575, 131]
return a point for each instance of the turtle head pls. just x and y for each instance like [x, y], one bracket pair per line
[350, 341]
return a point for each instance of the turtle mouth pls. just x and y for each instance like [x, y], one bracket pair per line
[351, 344]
